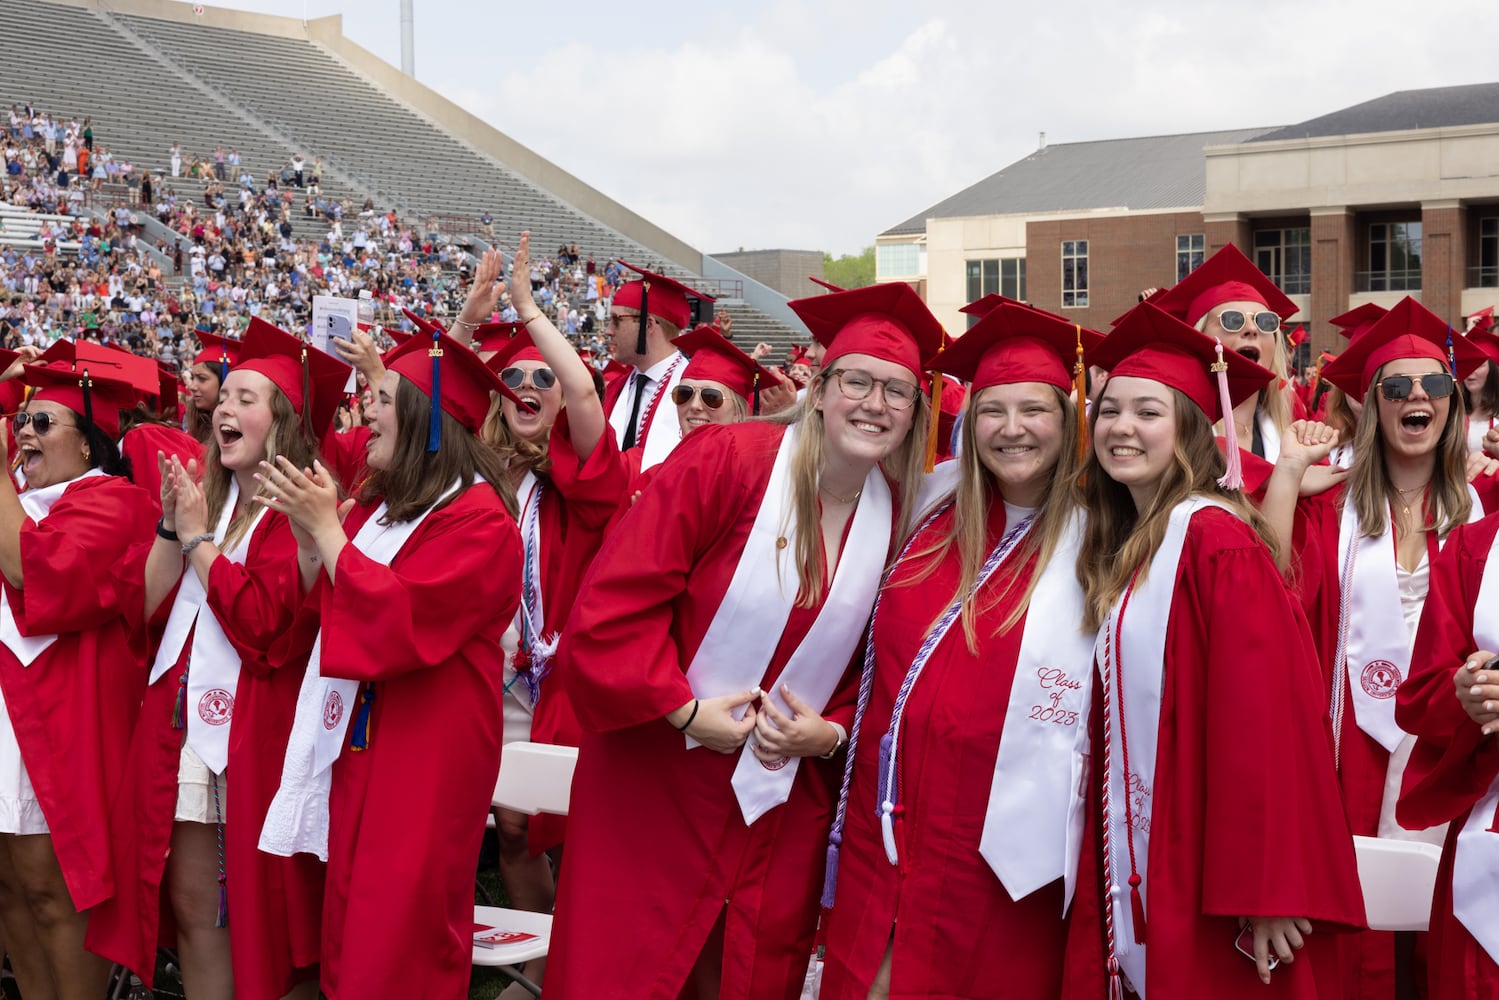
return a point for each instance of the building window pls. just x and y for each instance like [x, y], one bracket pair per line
[1285, 255]
[1189, 254]
[1004, 276]
[1074, 274]
[897, 260]
[1487, 275]
[1394, 257]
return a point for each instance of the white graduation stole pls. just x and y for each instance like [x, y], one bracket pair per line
[747, 627]
[1475, 862]
[213, 670]
[37, 504]
[1376, 652]
[1142, 646]
[1039, 774]
[297, 820]
[1269, 437]
[658, 434]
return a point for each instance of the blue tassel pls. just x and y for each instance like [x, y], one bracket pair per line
[830, 875]
[361, 738]
[434, 425]
[1451, 354]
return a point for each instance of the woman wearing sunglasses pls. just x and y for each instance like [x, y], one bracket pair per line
[1381, 533]
[975, 725]
[568, 478]
[224, 571]
[1230, 299]
[1221, 847]
[72, 644]
[707, 657]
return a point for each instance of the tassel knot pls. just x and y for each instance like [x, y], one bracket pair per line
[1137, 908]
[1233, 475]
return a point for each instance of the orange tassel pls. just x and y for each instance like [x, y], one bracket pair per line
[931, 431]
[1080, 387]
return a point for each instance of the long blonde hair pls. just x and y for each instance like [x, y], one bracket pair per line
[519, 455]
[977, 491]
[1369, 486]
[1273, 398]
[1118, 539]
[904, 467]
[287, 436]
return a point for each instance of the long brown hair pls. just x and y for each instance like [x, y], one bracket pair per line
[1370, 490]
[287, 436]
[417, 478]
[1119, 538]
[977, 490]
[904, 467]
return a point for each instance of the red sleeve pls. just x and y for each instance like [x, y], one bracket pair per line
[85, 564]
[1452, 763]
[456, 580]
[255, 602]
[343, 452]
[594, 485]
[1487, 488]
[619, 652]
[140, 445]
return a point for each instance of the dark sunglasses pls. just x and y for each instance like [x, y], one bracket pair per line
[541, 378]
[712, 398]
[40, 422]
[1233, 320]
[1437, 385]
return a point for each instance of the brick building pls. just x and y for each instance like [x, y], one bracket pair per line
[1396, 196]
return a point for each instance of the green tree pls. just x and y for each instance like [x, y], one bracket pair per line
[849, 271]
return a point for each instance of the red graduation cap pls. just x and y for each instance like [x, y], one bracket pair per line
[826, 284]
[423, 325]
[982, 307]
[1487, 341]
[494, 336]
[1297, 337]
[657, 295]
[1409, 330]
[1226, 276]
[217, 350]
[886, 321]
[451, 376]
[800, 355]
[93, 391]
[1483, 319]
[1355, 321]
[141, 374]
[167, 385]
[512, 349]
[1014, 343]
[296, 368]
[713, 358]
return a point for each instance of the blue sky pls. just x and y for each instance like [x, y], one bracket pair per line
[815, 125]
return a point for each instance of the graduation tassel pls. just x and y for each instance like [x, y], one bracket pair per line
[1080, 390]
[645, 293]
[360, 739]
[222, 920]
[1233, 475]
[932, 428]
[434, 423]
[830, 873]
[1137, 908]
[223, 365]
[179, 705]
[307, 398]
[1451, 355]
[88, 401]
[755, 394]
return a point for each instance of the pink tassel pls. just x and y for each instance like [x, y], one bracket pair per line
[1137, 908]
[1233, 476]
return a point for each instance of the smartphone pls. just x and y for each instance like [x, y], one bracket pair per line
[1245, 943]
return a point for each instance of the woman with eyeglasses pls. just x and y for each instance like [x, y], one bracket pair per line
[72, 649]
[1220, 848]
[1230, 299]
[1381, 533]
[708, 658]
[223, 574]
[954, 851]
[568, 478]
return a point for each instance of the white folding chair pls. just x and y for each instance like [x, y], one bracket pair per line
[1399, 877]
[534, 778]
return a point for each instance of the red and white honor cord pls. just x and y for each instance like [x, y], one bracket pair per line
[1111, 672]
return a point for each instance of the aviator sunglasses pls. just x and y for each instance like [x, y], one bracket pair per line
[712, 398]
[40, 422]
[1397, 387]
[1234, 320]
[541, 378]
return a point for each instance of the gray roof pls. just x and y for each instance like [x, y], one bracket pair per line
[1164, 171]
[1435, 107]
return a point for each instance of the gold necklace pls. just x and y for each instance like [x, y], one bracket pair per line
[1404, 503]
[838, 499]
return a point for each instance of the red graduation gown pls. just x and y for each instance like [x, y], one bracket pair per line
[1245, 819]
[141, 443]
[957, 931]
[407, 814]
[272, 900]
[656, 841]
[73, 708]
[578, 503]
[1452, 763]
